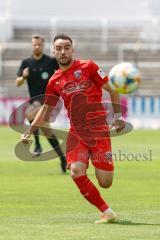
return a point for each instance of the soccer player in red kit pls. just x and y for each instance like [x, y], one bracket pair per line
[80, 83]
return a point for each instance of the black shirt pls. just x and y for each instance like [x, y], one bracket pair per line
[40, 72]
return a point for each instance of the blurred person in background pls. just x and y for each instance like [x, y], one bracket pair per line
[36, 72]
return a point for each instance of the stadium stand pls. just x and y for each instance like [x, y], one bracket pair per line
[107, 48]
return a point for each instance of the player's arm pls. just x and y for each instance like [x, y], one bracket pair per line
[114, 96]
[41, 117]
[115, 99]
[100, 78]
[51, 99]
[23, 77]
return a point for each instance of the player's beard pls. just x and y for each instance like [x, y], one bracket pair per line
[64, 62]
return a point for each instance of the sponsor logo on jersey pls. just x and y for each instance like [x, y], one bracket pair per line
[44, 75]
[101, 73]
[78, 74]
[73, 86]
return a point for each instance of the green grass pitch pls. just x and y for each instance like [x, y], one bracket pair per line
[37, 202]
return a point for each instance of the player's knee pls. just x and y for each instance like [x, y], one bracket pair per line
[105, 184]
[76, 171]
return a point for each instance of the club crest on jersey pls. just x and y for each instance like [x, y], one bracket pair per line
[108, 155]
[78, 74]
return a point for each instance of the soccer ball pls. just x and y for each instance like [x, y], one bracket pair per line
[124, 78]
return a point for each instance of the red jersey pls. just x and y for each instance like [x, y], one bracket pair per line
[83, 76]
[80, 86]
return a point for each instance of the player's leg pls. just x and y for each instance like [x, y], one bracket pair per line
[77, 169]
[56, 146]
[104, 177]
[52, 139]
[77, 160]
[30, 114]
[101, 157]
[86, 187]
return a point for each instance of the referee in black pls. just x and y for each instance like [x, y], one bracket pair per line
[36, 72]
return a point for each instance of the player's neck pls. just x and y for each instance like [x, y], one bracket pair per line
[66, 67]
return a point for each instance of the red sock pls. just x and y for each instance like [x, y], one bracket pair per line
[90, 192]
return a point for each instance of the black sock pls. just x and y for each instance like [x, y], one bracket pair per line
[55, 144]
[36, 136]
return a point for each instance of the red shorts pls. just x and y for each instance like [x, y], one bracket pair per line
[100, 154]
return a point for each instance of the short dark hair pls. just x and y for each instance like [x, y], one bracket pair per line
[36, 36]
[62, 36]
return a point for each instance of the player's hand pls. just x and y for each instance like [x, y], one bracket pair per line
[25, 73]
[25, 137]
[119, 125]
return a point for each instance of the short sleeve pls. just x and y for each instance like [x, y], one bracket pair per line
[21, 68]
[51, 95]
[97, 74]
